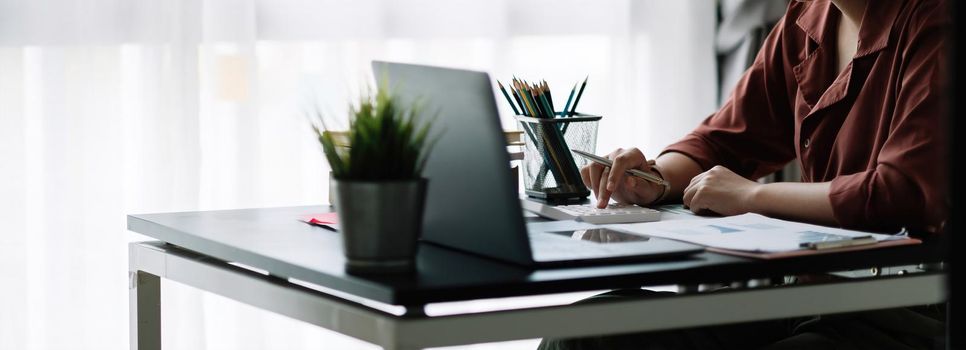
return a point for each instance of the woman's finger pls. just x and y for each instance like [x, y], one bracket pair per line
[595, 171]
[629, 159]
[585, 175]
[603, 196]
[688, 196]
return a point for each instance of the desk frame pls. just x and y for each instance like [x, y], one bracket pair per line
[152, 261]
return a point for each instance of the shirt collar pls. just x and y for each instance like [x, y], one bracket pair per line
[819, 17]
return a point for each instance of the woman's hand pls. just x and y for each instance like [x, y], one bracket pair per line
[720, 191]
[610, 183]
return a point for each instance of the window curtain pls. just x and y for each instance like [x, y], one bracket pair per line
[114, 107]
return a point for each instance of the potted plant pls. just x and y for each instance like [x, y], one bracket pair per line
[379, 188]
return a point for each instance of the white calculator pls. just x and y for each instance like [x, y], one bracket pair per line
[589, 213]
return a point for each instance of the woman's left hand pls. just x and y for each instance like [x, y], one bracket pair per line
[721, 191]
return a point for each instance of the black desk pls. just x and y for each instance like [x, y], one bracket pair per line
[301, 275]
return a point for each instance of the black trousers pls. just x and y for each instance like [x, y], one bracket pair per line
[903, 328]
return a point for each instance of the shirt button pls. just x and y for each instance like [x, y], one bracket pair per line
[805, 143]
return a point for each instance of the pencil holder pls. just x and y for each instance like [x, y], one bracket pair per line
[550, 170]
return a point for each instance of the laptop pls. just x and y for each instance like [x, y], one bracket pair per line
[472, 203]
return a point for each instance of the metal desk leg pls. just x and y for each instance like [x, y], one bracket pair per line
[145, 311]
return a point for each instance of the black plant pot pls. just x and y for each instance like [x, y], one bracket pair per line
[380, 223]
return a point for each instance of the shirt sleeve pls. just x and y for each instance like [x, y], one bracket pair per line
[907, 186]
[752, 133]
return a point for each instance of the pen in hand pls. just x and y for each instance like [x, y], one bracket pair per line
[633, 172]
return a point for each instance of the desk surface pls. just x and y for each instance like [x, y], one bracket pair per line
[273, 239]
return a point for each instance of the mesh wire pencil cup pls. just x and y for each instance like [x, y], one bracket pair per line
[545, 167]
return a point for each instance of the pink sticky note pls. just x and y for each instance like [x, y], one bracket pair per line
[322, 219]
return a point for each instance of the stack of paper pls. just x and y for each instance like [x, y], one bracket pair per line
[758, 236]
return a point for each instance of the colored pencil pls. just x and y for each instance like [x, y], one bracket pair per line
[563, 113]
[508, 100]
[546, 89]
[573, 108]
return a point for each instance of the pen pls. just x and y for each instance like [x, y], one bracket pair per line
[837, 243]
[633, 172]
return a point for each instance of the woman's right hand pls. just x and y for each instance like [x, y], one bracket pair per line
[612, 182]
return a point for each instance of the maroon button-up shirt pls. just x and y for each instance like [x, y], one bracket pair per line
[874, 130]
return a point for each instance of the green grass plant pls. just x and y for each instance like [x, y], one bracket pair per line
[387, 140]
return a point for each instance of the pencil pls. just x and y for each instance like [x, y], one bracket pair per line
[550, 144]
[546, 89]
[508, 100]
[557, 142]
[546, 104]
[573, 108]
[563, 113]
[531, 107]
[515, 111]
[519, 95]
[528, 95]
[533, 98]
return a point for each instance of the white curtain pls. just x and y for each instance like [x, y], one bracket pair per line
[112, 107]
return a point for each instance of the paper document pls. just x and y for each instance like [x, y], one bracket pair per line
[677, 212]
[749, 233]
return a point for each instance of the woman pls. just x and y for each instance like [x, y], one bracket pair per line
[851, 90]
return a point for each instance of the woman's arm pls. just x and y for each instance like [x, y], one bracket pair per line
[678, 170]
[807, 202]
[718, 190]
[721, 191]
